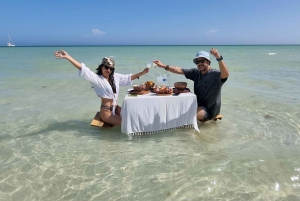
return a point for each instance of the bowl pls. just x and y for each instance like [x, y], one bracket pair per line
[138, 87]
[180, 85]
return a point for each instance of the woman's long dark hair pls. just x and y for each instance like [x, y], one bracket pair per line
[111, 80]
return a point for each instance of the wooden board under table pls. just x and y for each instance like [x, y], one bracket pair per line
[97, 121]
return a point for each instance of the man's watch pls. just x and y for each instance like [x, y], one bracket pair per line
[220, 59]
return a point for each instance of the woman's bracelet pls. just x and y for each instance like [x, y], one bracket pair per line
[137, 75]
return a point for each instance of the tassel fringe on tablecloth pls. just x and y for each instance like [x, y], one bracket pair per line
[159, 131]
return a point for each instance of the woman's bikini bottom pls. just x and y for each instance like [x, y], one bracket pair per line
[110, 108]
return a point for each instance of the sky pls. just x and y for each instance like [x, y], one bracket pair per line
[155, 22]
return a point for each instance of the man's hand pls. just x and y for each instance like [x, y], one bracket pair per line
[215, 52]
[159, 64]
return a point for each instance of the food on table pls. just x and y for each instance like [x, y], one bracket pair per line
[149, 85]
[162, 90]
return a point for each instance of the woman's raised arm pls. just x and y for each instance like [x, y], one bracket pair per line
[61, 54]
[138, 75]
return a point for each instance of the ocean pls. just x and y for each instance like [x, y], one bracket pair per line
[49, 151]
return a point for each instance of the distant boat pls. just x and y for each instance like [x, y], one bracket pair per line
[10, 42]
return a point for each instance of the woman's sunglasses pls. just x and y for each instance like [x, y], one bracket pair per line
[199, 61]
[108, 68]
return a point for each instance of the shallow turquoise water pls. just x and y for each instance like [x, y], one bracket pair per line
[48, 150]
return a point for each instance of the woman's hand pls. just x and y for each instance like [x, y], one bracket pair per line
[61, 54]
[134, 76]
[146, 70]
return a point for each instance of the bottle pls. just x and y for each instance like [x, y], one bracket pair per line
[164, 80]
[159, 79]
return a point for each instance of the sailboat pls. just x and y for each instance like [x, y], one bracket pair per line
[10, 42]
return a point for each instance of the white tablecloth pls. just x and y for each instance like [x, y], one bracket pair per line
[152, 113]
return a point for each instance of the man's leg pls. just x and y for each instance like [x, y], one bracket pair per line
[201, 113]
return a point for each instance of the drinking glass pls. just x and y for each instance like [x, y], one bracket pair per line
[154, 64]
[150, 62]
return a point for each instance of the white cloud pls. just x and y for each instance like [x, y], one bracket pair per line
[212, 31]
[94, 33]
[97, 32]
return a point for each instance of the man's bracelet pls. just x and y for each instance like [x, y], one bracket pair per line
[137, 76]
[167, 67]
[220, 59]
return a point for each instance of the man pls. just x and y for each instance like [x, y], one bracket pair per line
[207, 82]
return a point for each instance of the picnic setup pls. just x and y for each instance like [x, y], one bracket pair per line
[148, 108]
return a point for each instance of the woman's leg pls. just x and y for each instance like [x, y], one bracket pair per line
[108, 117]
[118, 108]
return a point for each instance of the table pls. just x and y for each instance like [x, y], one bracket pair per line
[149, 113]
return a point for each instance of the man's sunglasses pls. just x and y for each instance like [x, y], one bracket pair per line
[199, 61]
[108, 68]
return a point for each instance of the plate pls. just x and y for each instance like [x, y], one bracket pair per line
[179, 91]
[163, 94]
[132, 92]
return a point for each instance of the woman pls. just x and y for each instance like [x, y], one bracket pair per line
[106, 84]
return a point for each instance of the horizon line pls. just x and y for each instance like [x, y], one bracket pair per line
[148, 45]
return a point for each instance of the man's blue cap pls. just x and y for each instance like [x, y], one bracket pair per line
[202, 54]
